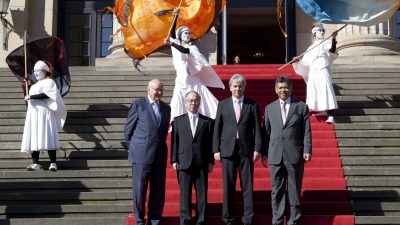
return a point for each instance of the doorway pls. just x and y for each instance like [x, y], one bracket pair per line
[86, 30]
[254, 35]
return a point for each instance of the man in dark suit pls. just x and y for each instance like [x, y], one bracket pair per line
[192, 157]
[237, 144]
[288, 146]
[146, 132]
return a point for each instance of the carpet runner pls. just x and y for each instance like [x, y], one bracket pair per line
[324, 194]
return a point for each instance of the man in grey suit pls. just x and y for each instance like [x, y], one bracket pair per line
[146, 132]
[237, 144]
[192, 157]
[288, 146]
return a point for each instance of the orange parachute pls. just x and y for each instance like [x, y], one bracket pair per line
[146, 23]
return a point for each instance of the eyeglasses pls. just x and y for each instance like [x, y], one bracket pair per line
[193, 101]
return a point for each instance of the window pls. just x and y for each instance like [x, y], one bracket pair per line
[398, 25]
[106, 33]
[79, 39]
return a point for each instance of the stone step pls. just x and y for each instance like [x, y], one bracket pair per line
[60, 195]
[368, 104]
[84, 220]
[358, 86]
[66, 174]
[19, 160]
[71, 107]
[112, 207]
[90, 137]
[372, 161]
[76, 114]
[72, 121]
[367, 80]
[97, 151]
[367, 92]
[65, 184]
[364, 119]
[362, 194]
[381, 220]
[368, 134]
[368, 151]
[373, 182]
[372, 206]
[368, 142]
[372, 171]
[374, 98]
[86, 101]
[76, 145]
[367, 126]
[368, 74]
[367, 112]
[68, 129]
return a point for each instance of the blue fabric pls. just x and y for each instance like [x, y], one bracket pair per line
[360, 12]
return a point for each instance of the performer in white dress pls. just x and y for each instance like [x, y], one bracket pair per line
[193, 73]
[315, 68]
[45, 116]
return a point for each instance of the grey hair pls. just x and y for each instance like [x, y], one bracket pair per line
[197, 94]
[284, 79]
[237, 77]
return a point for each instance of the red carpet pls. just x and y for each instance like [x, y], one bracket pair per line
[325, 198]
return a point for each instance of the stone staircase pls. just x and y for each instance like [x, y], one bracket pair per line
[368, 132]
[93, 184]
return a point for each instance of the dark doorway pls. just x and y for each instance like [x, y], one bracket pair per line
[254, 35]
[86, 30]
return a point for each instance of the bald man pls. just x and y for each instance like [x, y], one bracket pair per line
[146, 132]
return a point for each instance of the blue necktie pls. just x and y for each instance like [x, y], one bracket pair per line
[156, 113]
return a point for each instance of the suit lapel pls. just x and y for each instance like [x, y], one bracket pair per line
[245, 106]
[231, 110]
[292, 108]
[187, 125]
[200, 125]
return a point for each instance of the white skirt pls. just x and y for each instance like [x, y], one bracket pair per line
[40, 130]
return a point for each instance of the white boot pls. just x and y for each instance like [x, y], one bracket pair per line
[330, 120]
[33, 167]
[53, 167]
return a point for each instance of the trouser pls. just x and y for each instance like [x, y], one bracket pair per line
[197, 177]
[52, 156]
[142, 175]
[230, 168]
[286, 181]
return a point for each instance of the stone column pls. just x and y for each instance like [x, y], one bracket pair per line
[368, 44]
[116, 48]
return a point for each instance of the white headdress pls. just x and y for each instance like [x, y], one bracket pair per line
[180, 30]
[317, 28]
[40, 65]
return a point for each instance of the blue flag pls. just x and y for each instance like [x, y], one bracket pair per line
[358, 12]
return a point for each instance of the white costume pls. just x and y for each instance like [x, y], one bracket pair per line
[194, 73]
[315, 68]
[44, 118]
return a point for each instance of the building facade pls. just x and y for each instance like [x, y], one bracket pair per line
[248, 29]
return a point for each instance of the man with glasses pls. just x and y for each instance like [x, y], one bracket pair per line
[191, 156]
[146, 132]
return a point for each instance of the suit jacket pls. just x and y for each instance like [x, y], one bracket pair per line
[292, 138]
[144, 138]
[189, 150]
[248, 128]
